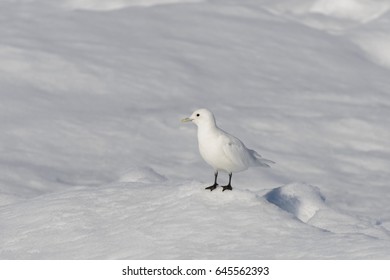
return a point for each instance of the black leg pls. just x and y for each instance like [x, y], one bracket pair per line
[228, 186]
[213, 187]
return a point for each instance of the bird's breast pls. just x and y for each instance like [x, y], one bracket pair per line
[211, 148]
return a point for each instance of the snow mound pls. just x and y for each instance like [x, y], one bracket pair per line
[135, 220]
[103, 5]
[331, 15]
[179, 220]
[307, 204]
[364, 21]
[141, 174]
[356, 10]
[301, 200]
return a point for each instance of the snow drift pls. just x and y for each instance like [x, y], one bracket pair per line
[149, 219]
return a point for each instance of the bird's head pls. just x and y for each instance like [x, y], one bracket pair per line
[201, 117]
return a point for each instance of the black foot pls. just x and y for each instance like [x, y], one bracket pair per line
[211, 188]
[228, 187]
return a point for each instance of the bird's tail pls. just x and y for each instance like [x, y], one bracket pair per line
[260, 161]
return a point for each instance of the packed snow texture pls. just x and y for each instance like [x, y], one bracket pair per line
[95, 163]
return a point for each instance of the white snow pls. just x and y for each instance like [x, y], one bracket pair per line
[95, 163]
[104, 5]
[361, 11]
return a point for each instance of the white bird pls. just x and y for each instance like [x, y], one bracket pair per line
[223, 151]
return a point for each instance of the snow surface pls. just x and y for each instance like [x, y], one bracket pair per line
[95, 163]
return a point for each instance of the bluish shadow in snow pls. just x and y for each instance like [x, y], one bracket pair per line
[307, 204]
[276, 197]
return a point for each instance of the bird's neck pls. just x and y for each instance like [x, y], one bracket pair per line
[207, 129]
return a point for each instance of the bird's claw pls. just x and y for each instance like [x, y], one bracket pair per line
[228, 187]
[211, 188]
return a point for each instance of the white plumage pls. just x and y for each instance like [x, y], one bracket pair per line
[223, 151]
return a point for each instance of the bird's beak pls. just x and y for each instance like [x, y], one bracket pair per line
[186, 120]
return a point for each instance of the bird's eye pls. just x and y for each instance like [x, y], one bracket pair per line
[197, 115]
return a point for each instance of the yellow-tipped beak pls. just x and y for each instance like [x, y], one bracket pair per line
[186, 120]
